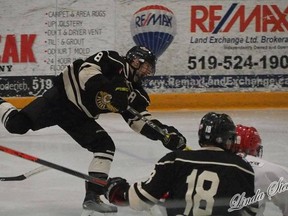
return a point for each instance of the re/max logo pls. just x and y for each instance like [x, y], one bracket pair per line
[153, 19]
[262, 18]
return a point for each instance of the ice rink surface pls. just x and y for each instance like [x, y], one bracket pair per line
[54, 193]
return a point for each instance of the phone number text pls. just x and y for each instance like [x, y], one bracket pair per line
[237, 62]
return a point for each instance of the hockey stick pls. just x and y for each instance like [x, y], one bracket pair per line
[154, 126]
[25, 175]
[148, 122]
[53, 166]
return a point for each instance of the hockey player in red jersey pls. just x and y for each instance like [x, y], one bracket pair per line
[267, 174]
[103, 83]
[208, 181]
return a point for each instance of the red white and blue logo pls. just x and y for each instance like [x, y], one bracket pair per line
[223, 18]
[154, 27]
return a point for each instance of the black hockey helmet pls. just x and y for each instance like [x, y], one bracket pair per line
[144, 55]
[218, 130]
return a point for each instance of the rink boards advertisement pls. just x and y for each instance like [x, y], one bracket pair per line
[201, 46]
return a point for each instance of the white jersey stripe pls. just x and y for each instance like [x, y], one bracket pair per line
[145, 194]
[72, 95]
[103, 155]
[68, 86]
[87, 72]
[205, 162]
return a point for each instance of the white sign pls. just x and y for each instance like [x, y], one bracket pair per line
[41, 38]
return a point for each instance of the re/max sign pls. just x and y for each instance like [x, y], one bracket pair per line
[260, 18]
[153, 19]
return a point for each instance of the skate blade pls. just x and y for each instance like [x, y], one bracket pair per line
[99, 207]
[86, 212]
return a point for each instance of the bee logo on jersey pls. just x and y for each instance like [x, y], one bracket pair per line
[103, 101]
[154, 27]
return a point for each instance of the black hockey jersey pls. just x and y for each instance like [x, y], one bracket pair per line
[83, 81]
[199, 182]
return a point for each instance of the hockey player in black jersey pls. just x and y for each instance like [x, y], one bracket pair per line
[103, 83]
[209, 181]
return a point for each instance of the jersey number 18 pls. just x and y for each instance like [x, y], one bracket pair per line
[203, 199]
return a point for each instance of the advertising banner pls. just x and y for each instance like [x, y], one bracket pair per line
[218, 45]
[206, 46]
[39, 38]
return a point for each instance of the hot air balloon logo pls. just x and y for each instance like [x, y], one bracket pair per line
[154, 27]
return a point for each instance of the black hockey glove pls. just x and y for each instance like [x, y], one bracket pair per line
[119, 92]
[117, 191]
[174, 140]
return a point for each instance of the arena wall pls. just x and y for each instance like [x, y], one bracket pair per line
[207, 58]
[202, 101]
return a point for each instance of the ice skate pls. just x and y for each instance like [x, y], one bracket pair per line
[92, 204]
[96, 206]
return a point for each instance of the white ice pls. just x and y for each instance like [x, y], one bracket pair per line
[54, 193]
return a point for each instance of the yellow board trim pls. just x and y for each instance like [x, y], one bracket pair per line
[207, 101]
[19, 102]
[223, 100]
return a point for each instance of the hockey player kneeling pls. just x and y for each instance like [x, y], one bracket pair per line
[198, 182]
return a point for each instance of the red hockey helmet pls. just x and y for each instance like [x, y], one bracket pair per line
[248, 141]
